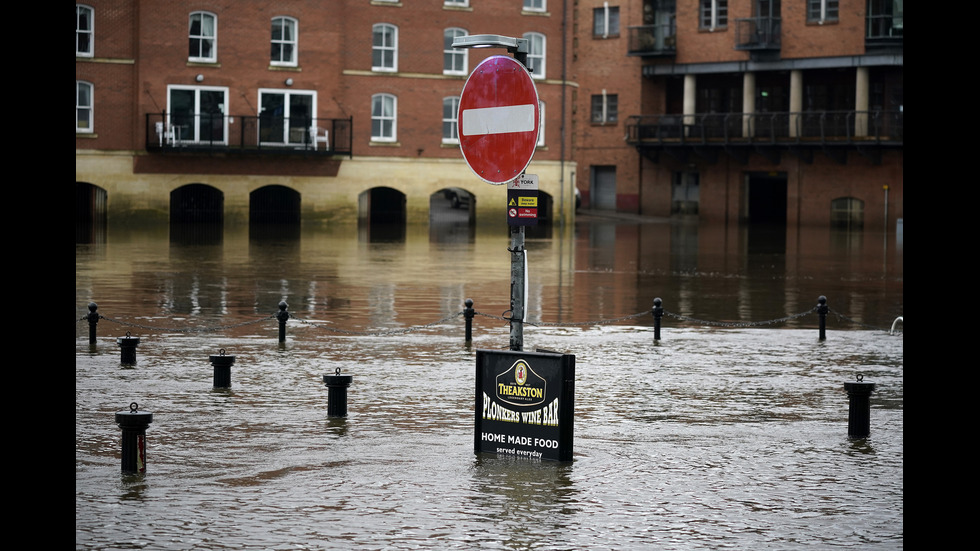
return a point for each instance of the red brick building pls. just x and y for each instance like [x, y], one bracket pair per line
[736, 110]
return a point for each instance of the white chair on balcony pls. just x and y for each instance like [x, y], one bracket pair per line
[319, 135]
[165, 136]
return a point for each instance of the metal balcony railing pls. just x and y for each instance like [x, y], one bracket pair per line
[653, 40]
[758, 33]
[202, 132]
[721, 129]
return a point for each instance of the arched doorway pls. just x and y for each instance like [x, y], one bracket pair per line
[196, 214]
[90, 213]
[381, 214]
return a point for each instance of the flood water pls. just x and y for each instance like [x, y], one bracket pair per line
[729, 432]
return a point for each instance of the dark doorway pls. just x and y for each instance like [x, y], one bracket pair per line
[765, 198]
[196, 214]
[90, 213]
[273, 213]
[382, 215]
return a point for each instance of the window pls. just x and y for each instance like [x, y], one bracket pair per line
[284, 41]
[605, 108]
[203, 37]
[822, 10]
[454, 60]
[384, 53]
[605, 21]
[456, 3]
[450, 110]
[535, 54]
[714, 14]
[535, 5]
[285, 117]
[197, 113]
[83, 30]
[83, 106]
[540, 123]
[847, 212]
[384, 109]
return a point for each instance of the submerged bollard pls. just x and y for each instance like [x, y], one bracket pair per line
[822, 310]
[337, 393]
[222, 369]
[93, 321]
[468, 313]
[133, 424]
[127, 348]
[282, 316]
[658, 314]
[859, 407]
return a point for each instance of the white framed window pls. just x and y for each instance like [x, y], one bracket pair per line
[84, 31]
[203, 37]
[450, 112]
[384, 118]
[536, 54]
[197, 113]
[605, 108]
[384, 47]
[454, 60]
[540, 123]
[818, 11]
[83, 106]
[456, 3]
[535, 5]
[285, 116]
[714, 14]
[284, 35]
[605, 21]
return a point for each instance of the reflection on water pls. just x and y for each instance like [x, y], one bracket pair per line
[601, 270]
[720, 437]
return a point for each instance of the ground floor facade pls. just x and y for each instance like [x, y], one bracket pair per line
[806, 190]
[131, 188]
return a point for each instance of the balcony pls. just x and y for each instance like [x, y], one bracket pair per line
[263, 135]
[738, 134]
[758, 34]
[653, 40]
[885, 32]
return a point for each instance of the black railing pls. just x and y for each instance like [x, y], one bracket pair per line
[653, 40]
[885, 32]
[171, 132]
[760, 128]
[758, 33]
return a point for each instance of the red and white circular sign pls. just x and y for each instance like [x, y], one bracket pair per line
[498, 119]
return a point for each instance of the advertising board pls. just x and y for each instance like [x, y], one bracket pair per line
[525, 404]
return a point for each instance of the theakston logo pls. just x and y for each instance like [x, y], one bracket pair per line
[520, 385]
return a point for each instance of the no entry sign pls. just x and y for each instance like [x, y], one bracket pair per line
[498, 119]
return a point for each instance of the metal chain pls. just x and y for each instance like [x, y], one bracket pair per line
[385, 332]
[740, 324]
[855, 322]
[380, 332]
[187, 330]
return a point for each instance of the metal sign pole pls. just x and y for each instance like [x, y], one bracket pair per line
[517, 280]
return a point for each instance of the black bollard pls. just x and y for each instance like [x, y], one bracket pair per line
[93, 321]
[822, 310]
[468, 313]
[127, 348]
[859, 407]
[658, 314]
[282, 316]
[337, 393]
[222, 369]
[133, 424]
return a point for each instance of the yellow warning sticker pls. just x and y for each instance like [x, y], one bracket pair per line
[527, 201]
